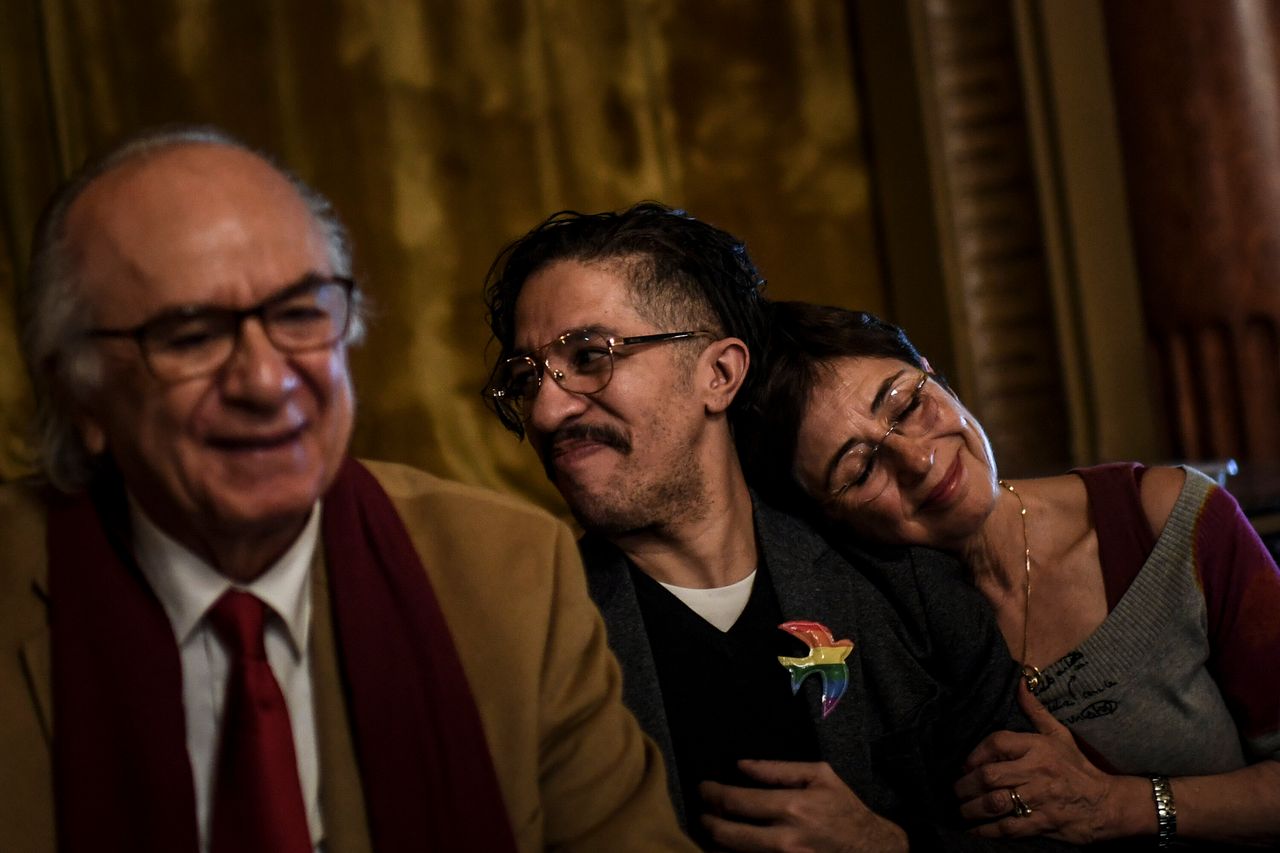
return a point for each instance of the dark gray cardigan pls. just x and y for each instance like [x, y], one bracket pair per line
[929, 676]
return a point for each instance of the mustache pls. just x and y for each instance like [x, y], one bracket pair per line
[604, 434]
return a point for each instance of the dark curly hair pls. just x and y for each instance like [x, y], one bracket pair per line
[804, 340]
[681, 272]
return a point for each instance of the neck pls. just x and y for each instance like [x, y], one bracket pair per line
[245, 559]
[240, 554]
[995, 551]
[714, 549]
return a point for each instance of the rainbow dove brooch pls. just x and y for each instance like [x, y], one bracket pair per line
[826, 658]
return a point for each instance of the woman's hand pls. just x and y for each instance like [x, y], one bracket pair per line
[1069, 798]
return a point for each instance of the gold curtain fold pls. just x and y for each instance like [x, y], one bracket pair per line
[443, 129]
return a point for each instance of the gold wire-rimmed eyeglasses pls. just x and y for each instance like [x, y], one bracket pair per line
[580, 361]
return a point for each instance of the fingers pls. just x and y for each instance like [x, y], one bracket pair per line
[990, 804]
[995, 811]
[819, 813]
[999, 746]
[1014, 827]
[1039, 715]
[758, 804]
[995, 778]
[746, 837]
[787, 774]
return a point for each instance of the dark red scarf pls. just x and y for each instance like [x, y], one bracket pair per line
[122, 776]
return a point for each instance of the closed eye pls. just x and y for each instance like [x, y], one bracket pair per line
[189, 340]
[299, 314]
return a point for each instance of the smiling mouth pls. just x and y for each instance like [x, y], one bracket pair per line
[942, 493]
[250, 443]
[578, 441]
[573, 445]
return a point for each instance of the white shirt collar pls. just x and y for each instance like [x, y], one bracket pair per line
[187, 586]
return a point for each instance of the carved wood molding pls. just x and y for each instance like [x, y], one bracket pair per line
[1198, 101]
[996, 268]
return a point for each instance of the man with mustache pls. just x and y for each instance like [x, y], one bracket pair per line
[626, 341]
[218, 632]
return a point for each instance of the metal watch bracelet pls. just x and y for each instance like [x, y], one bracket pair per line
[1166, 811]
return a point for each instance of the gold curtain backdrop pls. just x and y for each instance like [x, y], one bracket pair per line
[443, 129]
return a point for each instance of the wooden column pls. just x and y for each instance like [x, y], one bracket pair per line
[990, 230]
[1198, 107]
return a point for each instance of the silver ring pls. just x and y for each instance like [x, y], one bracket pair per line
[1020, 809]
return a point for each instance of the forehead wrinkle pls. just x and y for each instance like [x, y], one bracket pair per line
[839, 381]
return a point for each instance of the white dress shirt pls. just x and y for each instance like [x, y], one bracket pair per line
[187, 586]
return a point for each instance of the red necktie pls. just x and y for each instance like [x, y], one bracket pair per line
[257, 801]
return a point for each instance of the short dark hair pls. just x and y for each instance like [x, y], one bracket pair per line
[680, 271]
[804, 340]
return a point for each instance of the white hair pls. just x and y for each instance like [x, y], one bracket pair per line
[53, 316]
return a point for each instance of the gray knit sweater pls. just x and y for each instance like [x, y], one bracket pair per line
[1181, 678]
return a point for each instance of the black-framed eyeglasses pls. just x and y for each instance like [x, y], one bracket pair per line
[580, 361]
[198, 340]
[854, 471]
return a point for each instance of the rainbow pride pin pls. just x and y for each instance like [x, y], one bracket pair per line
[826, 658]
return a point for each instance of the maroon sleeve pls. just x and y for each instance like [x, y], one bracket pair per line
[1125, 539]
[1241, 586]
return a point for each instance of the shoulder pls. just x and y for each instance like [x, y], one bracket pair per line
[21, 502]
[1158, 492]
[23, 507]
[1161, 487]
[929, 590]
[485, 552]
[479, 546]
[443, 503]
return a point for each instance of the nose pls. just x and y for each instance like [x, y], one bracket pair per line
[257, 374]
[912, 456]
[552, 406]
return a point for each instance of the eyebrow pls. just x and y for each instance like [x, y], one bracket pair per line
[194, 309]
[594, 327]
[876, 402]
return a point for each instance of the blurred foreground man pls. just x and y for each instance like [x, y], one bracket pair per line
[626, 341]
[220, 633]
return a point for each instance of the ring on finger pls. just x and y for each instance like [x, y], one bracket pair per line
[1020, 809]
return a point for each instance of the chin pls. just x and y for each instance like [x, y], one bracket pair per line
[271, 501]
[607, 520]
[260, 523]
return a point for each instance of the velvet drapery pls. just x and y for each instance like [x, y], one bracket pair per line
[442, 129]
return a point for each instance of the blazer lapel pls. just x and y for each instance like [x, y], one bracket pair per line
[346, 826]
[813, 584]
[610, 586]
[37, 665]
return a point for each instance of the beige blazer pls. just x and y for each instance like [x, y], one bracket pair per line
[575, 770]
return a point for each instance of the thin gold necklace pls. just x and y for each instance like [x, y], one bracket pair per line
[1030, 674]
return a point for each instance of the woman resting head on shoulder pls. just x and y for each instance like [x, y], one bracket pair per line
[1143, 607]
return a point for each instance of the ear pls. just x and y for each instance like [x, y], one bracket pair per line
[80, 406]
[91, 432]
[924, 362]
[723, 366]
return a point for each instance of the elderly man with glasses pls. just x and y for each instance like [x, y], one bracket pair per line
[219, 633]
[626, 341]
